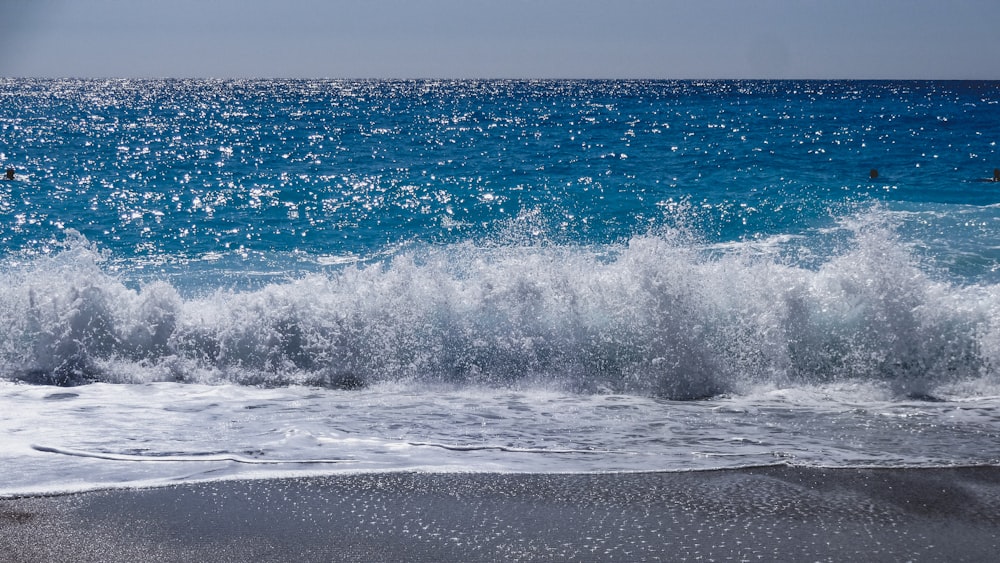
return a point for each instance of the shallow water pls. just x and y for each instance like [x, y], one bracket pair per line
[144, 434]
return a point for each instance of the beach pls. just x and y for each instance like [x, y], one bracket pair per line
[757, 514]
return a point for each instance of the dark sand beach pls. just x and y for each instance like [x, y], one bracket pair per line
[764, 514]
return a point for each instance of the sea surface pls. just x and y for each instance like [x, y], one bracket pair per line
[216, 279]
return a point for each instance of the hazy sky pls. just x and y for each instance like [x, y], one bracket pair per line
[502, 38]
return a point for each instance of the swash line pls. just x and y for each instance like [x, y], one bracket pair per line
[207, 457]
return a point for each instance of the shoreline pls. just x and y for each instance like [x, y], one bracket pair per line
[762, 513]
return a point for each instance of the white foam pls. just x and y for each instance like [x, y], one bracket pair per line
[659, 315]
[106, 435]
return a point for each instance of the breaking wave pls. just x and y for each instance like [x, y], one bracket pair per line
[656, 315]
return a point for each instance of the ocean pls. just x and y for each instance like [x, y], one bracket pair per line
[204, 280]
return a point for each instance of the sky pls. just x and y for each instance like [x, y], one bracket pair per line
[669, 39]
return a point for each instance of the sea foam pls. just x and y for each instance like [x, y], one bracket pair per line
[660, 314]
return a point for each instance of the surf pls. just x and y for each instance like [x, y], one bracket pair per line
[660, 314]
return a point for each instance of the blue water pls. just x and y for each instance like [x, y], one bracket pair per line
[681, 246]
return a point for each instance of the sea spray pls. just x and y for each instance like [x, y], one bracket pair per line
[656, 315]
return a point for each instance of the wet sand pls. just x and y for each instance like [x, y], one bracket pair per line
[766, 514]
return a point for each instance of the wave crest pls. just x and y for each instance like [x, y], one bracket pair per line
[655, 315]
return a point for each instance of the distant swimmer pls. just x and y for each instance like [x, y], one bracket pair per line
[995, 178]
[10, 174]
[873, 174]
